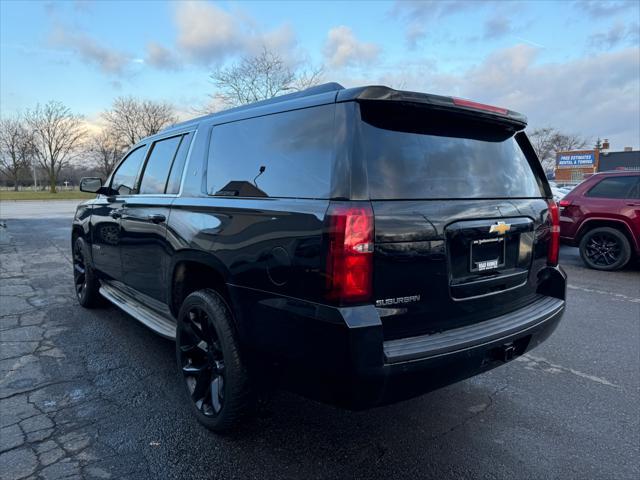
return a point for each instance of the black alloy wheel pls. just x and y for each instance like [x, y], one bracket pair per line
[79, 270]
[605, 249]
[215, 377]
[85, 282]
[202, 362]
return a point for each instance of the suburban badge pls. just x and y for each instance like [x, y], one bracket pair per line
[398, 300]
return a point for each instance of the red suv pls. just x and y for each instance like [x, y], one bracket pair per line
[602, 217]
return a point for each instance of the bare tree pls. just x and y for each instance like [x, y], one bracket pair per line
[541, 140]
[566, 142]
[105, 150]
[548, 141]
[260, 77]
[57, 137]
[131, 119]
[16, 148]
[308, 77]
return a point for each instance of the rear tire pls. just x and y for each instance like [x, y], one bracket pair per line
[85, 280]
[216, 380]
[605, 248]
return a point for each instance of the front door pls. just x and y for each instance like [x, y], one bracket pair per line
[107, 213]
[105, 226]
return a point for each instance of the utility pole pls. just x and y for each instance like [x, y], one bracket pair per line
[35, 175]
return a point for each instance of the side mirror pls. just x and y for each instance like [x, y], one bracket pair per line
[91, 185]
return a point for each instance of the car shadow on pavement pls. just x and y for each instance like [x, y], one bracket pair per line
[130, 400]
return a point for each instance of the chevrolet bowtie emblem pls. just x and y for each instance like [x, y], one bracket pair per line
[500, 228]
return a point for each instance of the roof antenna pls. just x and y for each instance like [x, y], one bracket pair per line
[262, 169]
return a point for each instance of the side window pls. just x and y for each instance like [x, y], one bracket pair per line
[287, 154]
[613, 187]
[635, 191]
[173, 184]
[123, 180]
[156, 171]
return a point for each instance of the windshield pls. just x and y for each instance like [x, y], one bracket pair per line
[417, 154]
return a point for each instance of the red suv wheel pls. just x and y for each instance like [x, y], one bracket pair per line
[605, 248]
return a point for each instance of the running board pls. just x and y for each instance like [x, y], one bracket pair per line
[152, 319]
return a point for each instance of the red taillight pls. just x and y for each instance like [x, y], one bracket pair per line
[461, 102]
[564, 203]
[350, 256]
[554, 241]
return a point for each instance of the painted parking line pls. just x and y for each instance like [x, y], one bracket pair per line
[532, 362]
[615, 296]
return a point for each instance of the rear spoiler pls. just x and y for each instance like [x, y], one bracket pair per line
[386, 94]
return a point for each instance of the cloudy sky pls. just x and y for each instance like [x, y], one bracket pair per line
[572, 65]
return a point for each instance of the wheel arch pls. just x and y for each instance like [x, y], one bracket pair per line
[193, 270]
[620, 225]
[76, 231]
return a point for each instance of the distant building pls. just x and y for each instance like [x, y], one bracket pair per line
[574, 166]
[625, 160]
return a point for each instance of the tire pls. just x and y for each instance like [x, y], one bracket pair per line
[605, 248]
[215, 377]
[85, 280]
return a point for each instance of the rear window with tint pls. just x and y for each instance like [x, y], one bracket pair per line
[415, 153]
[282, 155]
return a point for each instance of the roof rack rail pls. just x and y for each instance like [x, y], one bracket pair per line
[315, 90]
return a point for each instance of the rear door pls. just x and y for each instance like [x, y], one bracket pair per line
[461, 218]
[608, 196]
[144, 251]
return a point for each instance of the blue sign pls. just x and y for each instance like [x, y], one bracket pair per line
[576, 160]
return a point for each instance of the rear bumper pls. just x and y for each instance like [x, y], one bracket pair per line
[498, 329]
[338, 355]
[418, 365]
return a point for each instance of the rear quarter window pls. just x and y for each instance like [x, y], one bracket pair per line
[286, 155]
[613, 187]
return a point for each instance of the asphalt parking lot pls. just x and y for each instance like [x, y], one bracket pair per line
[94, 394]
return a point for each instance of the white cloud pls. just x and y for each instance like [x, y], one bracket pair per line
[418, 14]
[599, 8]
[594, 96]
[497, 27]
[281, 40]
[617, 34]
[597, 95]
[208, 33]
[342, 48]
[161, 57]
[109, 60]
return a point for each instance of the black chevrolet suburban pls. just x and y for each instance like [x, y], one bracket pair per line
[359, 246]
